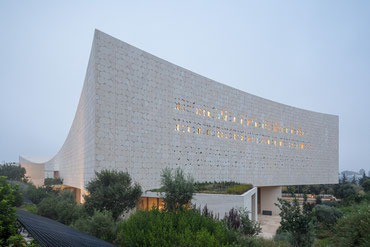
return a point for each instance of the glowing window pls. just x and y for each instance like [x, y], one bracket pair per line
[219, 116]
[218, 133]
[302, 132]
[234, 119]
[275, 143]
[178, 127]
[189, 129]
[281, 144]
[263, 126]
[225, 118]
[197, 110]
[249, 138]
[234, 136]
[207, 132]
[268, 141]
[241, 121]
[255, 124]
[292, 131]
[199, 130]
[204, 112]
[256, 139]
[242, 138]
[248, 122]
[183, 107]
[222, 134]
[178, 106]
[209, 114]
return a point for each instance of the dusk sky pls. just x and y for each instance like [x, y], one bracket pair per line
[313, 55]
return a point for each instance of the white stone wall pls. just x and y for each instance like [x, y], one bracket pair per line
[221, 204]
[139, 113]
[140, 130]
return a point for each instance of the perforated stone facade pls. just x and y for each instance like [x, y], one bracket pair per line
[139, 113]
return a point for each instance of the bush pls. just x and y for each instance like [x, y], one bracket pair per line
[353, 229]
[239, 189]
[62, 208]
[31, 208]
[181, 228]
[239, 220]
[37, 194]
[326, 216]
[100, 225]
[52, 181]
[178, 189]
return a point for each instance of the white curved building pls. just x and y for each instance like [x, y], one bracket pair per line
[139, 113]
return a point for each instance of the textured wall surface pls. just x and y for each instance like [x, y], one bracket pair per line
[139, 113]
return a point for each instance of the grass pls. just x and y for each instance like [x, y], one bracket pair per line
[231, 187]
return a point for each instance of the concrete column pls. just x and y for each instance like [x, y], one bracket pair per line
[267, 198]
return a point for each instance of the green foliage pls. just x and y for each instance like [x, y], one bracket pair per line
[179, 190]
[100, 225]
[239, 189]
[7, 211]
[13, 171]
[63, 208]
[31, 208]
[296, 222]
[366, 185]
[326, 215]
[37, 194]
[181, 228]
[112, 191]
[238, 220]
[344, 190]
[353, 229]
[53, 181]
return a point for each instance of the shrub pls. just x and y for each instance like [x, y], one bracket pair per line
[37, 194]
[181, 228]
[178, 189]
[325, 215]
[239, 220]
[353, 229]
[100, 225]
[239, 189]
[112, 191]
[61, 208]
[31, 208]
[53, 181]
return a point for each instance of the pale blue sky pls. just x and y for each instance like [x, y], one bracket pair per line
[310, 54]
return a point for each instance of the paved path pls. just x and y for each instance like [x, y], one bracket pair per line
[269, 225]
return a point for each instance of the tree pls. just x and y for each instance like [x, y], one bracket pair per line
[344, 178]
[7, 215]
[362, 172]
[13, 171]
[354, 180]
[353, 229]
[112, 191]
[179, 190]
[296, 222]
[345, 190]
[239, 220]
[366, 185]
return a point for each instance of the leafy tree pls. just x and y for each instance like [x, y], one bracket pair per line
[37, 194]
[345, 190]
[354, 180]
[112, 191]
[52, 181]
[179, 190]
[353, 229]
[13, 171]
[363, 179]
[344, 178]
[7, 211]
[100, 225]
[296, 222]
[366, 185]
[318, 200]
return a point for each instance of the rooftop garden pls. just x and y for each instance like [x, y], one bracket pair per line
[224, 187]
